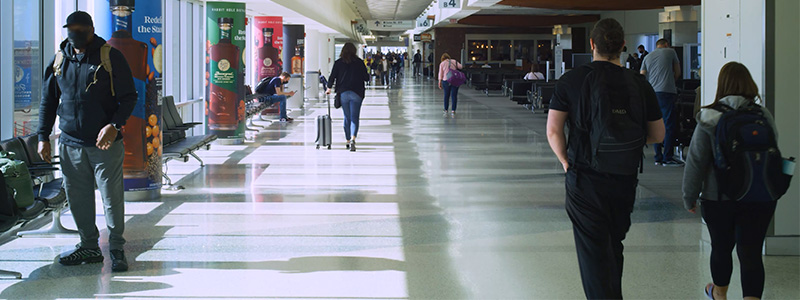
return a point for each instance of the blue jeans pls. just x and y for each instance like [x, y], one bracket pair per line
[276, 98]
[666, 150]
[351, 105]
[450, 92]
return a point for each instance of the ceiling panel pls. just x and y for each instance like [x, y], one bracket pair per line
[599, 4]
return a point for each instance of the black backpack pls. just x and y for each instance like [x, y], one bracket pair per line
[747, 163]
[8, 207]
[261, 87]
[612, 116]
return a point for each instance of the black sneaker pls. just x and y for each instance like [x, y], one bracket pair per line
[672, 163]
[118, 261]
[353, 146]
[348, 145]
[80, 256]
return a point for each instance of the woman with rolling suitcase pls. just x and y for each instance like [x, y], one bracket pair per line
[348, 78]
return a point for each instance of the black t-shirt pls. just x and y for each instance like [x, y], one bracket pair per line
[274, 83]
[567, 96]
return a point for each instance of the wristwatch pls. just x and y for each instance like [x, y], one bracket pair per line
[117, 126]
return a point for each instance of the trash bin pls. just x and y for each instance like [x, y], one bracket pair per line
[312, 84]
[295, 85]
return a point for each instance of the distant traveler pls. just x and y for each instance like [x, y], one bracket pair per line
[740, 224]
[662, 68]
[275, 94]
[631, 60]
[91, 114]
[534, 74]
[417, 63]
[642, 53]
[450, 91]
[601, 179]
[349, 76]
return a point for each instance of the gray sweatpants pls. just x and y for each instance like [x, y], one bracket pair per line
[82, 168]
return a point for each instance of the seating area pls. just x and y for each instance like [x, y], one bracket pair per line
[178, 146]
[49, 198]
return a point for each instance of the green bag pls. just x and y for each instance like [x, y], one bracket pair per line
[18, 179]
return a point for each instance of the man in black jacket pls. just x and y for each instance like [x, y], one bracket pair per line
[92, 110]
[417, 63]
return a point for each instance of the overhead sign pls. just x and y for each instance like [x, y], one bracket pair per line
[425, 21]
[449, 3]
[390, 24]
[417, 38]
[361, 26]
[426, 37]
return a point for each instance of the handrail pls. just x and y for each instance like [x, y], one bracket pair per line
[188, 102]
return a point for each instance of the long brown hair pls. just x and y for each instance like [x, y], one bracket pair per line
[735, 79]
[348, 53]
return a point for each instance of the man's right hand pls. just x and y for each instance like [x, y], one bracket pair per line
[45, 151]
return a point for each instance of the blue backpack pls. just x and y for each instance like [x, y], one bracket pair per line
[747, 162]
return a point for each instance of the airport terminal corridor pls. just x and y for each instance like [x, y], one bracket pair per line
[469, 206]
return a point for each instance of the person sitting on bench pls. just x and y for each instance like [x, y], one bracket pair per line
[274, 94]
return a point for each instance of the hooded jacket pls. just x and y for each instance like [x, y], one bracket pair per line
[699, 181]
[83, 106]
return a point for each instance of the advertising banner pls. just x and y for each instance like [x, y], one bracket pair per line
[268, 33]
[23, 61]
[225, 43]
[136, 30]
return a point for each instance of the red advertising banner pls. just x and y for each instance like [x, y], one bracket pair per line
[268, 32]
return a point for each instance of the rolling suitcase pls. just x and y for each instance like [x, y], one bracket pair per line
[324, 128]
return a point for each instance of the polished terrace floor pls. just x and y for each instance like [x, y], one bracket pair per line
[430, 207]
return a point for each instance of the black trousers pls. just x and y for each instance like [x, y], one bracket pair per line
[743, 225]
[600, 207]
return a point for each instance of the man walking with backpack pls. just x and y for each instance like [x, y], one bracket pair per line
[93, 105]
[611, 113]
[662, 68]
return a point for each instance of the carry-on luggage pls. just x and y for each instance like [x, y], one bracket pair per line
[324, 127]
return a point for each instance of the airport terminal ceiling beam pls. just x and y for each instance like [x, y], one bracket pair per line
[336, 14]
[598, 4]
[526, 20]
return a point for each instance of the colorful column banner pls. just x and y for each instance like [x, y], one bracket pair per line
[268, 33]
[226, 37]
[23, 81]
[136, 31]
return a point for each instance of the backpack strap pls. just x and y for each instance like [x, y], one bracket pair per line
[722, 107]
[105, 61]
[58, 62]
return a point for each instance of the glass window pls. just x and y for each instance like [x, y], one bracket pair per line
[501, 50]
[27, 67]
[525, 50]
[478, 50]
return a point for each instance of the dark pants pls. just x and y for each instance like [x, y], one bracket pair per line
[450, 92]
[600, 208]
[417, 67]
[665, 151]
[276, 99]
[83, 167]
[743, 225]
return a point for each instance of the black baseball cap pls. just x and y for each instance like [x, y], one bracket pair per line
[79, 18]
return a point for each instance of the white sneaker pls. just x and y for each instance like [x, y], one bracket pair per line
[445, 113]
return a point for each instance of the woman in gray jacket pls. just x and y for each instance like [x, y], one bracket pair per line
[730, 223]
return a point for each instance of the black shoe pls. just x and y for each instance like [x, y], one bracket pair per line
[348, 145]
[353, 146]
[672, 163]
[80, 256]
[118, 261]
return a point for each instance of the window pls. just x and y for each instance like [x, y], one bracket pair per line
[478, 50]
[501, 50]
[525, 50]
[27, 68]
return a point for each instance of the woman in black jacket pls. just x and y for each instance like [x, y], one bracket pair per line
[349, 75]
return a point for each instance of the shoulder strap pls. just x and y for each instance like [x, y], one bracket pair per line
[105, 60]
[722, 107]
[58, 61]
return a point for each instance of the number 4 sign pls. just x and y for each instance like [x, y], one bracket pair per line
[449, 3]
